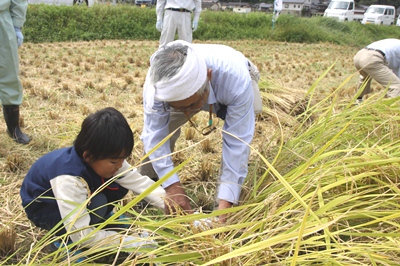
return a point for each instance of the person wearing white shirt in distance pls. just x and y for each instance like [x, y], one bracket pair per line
[176, 16]
[184, 79]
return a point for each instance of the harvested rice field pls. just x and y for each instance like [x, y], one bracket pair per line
[64, 82]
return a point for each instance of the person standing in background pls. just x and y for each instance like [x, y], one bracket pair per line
[176, 15]
[12, 18]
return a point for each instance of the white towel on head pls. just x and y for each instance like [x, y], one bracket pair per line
[189, 79]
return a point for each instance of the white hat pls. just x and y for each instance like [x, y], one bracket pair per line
[189, 79]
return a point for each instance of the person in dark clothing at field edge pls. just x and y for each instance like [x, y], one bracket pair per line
[380, 61]
[60, 184]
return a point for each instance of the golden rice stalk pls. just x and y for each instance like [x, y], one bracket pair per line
[190, 133]
[206, 146]
[282, 102]
[8, 238]
[206, 171]
[14, 162]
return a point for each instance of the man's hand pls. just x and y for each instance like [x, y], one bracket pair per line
[20, 37]
[159, 25]
[176, 198]
[195, 25]
[223, 204]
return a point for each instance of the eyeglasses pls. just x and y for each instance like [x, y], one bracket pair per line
[207, 130]
[195, 106]
[189, 108]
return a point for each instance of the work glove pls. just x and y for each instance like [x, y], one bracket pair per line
[205, 223]
[195, 25]
[159, 25]
[142, 240]
[20, 37]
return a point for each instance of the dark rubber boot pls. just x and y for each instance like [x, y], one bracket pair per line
[11, 115]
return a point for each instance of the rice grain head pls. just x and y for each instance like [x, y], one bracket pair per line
[8, 238]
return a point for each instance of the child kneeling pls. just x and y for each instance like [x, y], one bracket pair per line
[61, 182]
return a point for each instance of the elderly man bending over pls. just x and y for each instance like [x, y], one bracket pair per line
[184, 79]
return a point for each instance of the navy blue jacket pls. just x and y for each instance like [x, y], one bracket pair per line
[36, 188]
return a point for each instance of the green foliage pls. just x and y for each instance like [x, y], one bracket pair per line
[230, 26]
[47, 23]
[73, 23]
[395, 3]
[288, 29]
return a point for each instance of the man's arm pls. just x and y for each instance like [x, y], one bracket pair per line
[18, 10]
[239, 125]
[160, 9]
[197, 11]
[156, 128]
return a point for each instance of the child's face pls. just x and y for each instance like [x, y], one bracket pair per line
[106, 168]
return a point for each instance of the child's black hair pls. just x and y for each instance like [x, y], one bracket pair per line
[104, 134]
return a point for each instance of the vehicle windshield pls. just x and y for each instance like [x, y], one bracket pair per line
[376, 10]
[338, 5]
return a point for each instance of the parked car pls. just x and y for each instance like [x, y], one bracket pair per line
[380, 15]
[88, 3]
[345, 10]
[398, 21]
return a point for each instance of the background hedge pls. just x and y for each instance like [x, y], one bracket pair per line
[74, 23]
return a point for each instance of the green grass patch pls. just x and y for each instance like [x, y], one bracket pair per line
[47, 23]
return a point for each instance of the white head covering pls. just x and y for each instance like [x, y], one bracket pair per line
[189, 79]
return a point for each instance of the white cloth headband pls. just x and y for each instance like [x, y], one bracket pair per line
[189, 79]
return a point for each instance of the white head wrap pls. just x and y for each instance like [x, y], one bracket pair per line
[189, 79]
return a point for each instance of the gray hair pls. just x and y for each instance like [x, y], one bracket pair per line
[167, 62]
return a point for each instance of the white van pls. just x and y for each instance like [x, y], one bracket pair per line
[344, 10]
[398, 21]
[63, 2]
[380, 15]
